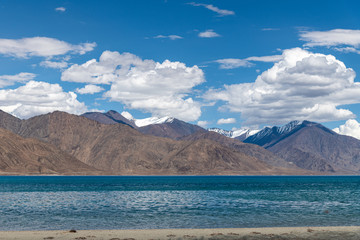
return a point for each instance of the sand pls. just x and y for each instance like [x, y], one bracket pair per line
[228, 233]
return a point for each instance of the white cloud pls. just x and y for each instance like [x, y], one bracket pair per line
[36, 98]
[8, 80]
[347, 49]
[60, 9]
[303, 85]
[54, 64]
[208, 34]
[226, 120]
[350, 128]
[231, 63]
[171, 37]
[89, 89]
[41, 47]
[273, 58]
[203, 124]
[159, 88]
[331, 38]
[221, 12]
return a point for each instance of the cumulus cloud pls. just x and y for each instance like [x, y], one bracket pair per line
[159, 88]
[231, 63]
[208, 34]
[60, 9]
[203, 124]
[89, 89]
[303, 85]
[8, 80]
[348, 39]
[171, 37]
[350, 128]
[226, 120]
[220, 12]
[36, 98]
[41, 47]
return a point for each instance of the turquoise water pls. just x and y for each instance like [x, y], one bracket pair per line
[44, 203]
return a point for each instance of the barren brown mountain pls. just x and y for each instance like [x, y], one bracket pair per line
[30, 156]
[174, 129]
[123, 150]
[110, 117]
[311, 146]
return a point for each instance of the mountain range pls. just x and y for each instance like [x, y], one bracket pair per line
[167, 127]
[110, 143]
[311, 146]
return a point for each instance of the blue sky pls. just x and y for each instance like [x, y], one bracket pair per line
[227, 64]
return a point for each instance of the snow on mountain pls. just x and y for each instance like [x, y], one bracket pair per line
[153, 120]
[246, 131]
[147, 121]
[221, 131]
[289, 127]
[128, 116]
[235, 133]
[259, 134]
[271, 131]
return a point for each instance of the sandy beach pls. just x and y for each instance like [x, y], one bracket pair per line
[349, 232]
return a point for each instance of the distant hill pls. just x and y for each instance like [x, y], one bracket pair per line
[110, 117]
[123, 150]
[118, 148]
[249, 149]
[161, 127]
[174, 129]
[30, 156]
[311, 146]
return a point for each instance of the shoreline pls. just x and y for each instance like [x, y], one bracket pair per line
[319, 233]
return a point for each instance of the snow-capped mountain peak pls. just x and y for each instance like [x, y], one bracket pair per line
[221, 131]
[128, 116]
[153, 120]
[147, 121]
[289, 127]
[235, 133]
[270, 132]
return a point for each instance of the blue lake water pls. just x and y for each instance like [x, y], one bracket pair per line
[44, 203]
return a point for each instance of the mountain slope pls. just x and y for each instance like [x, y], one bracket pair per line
[175, 129]
[8, 121]
[270, 136]
[160, 127]
[110, 117]
[123, 150]
[248, 149]
[312, 146]
[240, 134]
[30, 156]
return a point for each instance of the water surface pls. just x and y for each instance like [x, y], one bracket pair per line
[101, 202]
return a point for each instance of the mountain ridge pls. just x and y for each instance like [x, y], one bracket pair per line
[123, 150]
[120, 149]
[312, 146]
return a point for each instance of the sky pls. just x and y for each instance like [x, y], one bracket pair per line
[227, 64]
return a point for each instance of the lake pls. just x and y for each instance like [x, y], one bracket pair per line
[136, 202]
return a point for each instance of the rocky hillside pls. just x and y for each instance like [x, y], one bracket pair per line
[30, 156]
[124, 150]
[311, 146]
[171, 128]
